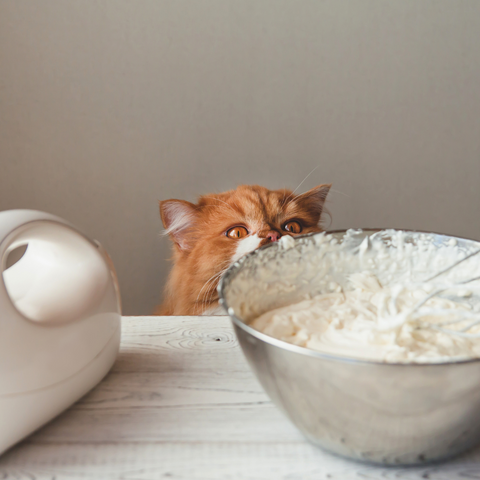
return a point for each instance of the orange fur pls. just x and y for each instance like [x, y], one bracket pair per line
[202, 251]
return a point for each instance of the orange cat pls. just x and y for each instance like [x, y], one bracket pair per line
[211, 235]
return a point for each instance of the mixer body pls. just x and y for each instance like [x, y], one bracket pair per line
[59, 320]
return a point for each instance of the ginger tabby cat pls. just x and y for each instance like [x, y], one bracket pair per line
[214, 233]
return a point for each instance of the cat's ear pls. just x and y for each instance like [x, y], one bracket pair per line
[179, 218]
[314, 199]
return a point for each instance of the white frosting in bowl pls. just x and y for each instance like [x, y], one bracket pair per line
[375, 299]
[371, 322]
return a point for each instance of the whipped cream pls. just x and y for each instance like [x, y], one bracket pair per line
[375, 322]
[375, 297]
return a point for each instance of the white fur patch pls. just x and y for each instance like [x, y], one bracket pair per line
[287, 242]
[246, 245]
[181, 215]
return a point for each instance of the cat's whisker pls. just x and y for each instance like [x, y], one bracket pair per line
[338, 191]
[301, 183]
[210, 280]
[204, 285]
[209, 300]
[200, 304]
[206, 298]
[208, 294]
[214, 278]
[296, 196]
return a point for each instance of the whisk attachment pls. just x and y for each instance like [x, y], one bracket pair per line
[464, 316]
[470, 255]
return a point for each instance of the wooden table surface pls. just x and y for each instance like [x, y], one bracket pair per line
[181, 403]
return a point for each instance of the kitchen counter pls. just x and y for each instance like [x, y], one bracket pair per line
[181, 403]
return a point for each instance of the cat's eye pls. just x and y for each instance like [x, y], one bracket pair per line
[293, 227]
[236, 232]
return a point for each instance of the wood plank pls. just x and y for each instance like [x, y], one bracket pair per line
[207, 461]
[182, 403]
[180, 380]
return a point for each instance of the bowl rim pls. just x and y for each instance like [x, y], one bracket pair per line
[263, 337]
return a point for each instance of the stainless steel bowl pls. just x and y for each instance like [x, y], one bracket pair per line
[384, 413]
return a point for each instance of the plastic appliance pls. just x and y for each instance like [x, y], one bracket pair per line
[59, 320]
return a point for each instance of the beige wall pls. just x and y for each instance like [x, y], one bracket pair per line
[108, 106]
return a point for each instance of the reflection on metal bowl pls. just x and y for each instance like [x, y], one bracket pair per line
[384, 413]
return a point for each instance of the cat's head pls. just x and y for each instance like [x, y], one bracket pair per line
[228, 225]
[211, 235]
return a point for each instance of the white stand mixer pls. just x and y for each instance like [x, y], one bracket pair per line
[59, 320]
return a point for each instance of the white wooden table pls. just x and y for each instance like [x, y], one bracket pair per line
[181, 403]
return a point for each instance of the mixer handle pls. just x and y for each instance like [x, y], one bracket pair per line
[62, 275]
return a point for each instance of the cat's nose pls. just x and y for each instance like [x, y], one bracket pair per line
[273, 236]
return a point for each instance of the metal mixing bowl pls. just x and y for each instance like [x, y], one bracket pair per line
[384, 413]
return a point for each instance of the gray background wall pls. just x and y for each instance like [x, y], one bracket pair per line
[108, 106]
